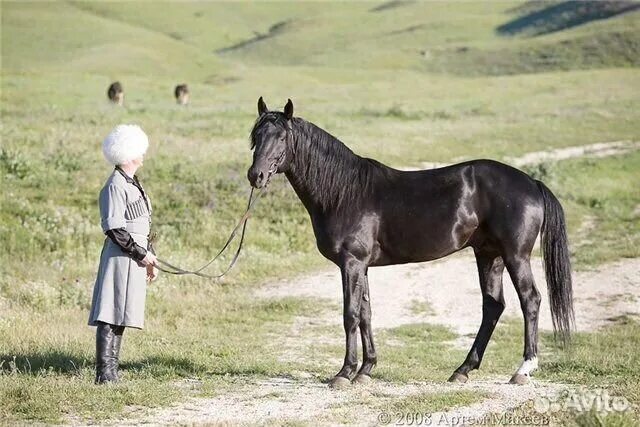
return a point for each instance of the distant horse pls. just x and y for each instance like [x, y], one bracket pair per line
[181, 92]
[366, 214]
[115, 93]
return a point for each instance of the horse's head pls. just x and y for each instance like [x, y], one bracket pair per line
[271, 140]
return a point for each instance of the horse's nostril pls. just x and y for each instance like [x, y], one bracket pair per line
[256, 179]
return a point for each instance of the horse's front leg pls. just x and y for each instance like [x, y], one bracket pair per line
[353, 286]
[366, 334]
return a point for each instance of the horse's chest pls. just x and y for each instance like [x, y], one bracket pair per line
[327, 238]
[337, 235]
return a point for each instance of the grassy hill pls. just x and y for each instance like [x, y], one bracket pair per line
[405, 82]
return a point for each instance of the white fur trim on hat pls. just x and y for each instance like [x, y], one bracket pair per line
[125, 143]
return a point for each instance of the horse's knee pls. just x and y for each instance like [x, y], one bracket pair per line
[351, 318]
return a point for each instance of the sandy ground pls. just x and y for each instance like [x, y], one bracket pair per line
[451, 289]
[281, 401]
[441, 292]
[601, 149]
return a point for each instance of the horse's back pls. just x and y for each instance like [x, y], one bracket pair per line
[475, 178]
[498, 182]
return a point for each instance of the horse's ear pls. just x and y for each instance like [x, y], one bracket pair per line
[262, 107]
[288, 110]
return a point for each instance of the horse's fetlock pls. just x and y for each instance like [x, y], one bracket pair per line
[348, 370]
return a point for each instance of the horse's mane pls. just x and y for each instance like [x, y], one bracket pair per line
[336, 177]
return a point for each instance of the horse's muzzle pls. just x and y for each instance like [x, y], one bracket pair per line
[256, 177]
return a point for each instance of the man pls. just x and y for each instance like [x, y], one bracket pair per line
[127, 260]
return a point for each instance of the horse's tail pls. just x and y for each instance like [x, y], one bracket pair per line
[557, 265]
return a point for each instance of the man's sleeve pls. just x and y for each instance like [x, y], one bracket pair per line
[122, 238]
[113, 203]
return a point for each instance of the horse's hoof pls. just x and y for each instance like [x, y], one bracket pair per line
[339, 383]
[362, 379]
[519, 379]
[458, 378]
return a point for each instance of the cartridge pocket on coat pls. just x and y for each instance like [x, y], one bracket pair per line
[135, 209]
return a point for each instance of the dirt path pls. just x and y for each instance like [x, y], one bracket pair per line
[279, 401]
[601, 149]
[450, 290]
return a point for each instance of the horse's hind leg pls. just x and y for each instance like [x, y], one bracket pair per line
[366, 333]
[490, 268]
[519, 268]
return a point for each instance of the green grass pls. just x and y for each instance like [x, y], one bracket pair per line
[47, 356]
[47, 397]
[405, 84]
[602, 360]
[422, 308]
[419, 352]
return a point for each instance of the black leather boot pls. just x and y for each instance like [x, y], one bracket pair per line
[105, 338]
[115, 351]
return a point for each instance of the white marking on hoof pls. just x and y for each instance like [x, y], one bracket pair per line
[528, 366]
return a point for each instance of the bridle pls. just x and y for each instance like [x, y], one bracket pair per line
[242, 224]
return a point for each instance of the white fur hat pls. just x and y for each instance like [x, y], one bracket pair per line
[124, 143]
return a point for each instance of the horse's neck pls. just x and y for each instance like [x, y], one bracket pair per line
[321, 168]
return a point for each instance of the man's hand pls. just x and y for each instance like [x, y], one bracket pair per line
[152, 273]
[149, 260]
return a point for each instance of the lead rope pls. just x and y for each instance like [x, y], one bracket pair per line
[178, 271]
[172, 269]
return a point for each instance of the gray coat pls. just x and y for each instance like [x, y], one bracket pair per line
[120, 289]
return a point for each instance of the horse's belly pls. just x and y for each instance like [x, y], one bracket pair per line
[425, 240]
[414, 251]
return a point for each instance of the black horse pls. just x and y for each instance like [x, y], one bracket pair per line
[366, 214]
